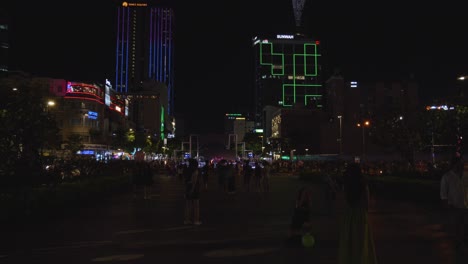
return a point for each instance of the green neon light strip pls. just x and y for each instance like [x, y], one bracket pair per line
[311, 95]
[273, 54]
[305, 55]
[315, 55]
[294, 90]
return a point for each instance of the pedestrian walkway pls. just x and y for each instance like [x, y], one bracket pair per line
[245, 227]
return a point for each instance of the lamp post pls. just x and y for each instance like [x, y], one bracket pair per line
[243, 150]
[190, 144]
[341, 135]
[84, 119]
[234, 136]
[462, 79]
[50, 104]
[363, 125]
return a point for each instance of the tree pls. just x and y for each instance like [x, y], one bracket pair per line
[173, 144]
[397, 132]
[25, 124]
[153, 145]
[440, 127]
[123, 138]
[253, 141]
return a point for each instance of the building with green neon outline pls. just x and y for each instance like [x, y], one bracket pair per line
[287, 75]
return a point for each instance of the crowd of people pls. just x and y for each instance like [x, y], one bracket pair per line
[356, 244]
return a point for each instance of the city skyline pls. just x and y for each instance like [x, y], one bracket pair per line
[214, 54]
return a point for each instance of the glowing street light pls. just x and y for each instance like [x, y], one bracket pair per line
[341, 135]
[50, 104]
[364, 124]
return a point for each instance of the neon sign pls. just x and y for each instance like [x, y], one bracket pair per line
[284, 36]
[127, 4]
[92, 115]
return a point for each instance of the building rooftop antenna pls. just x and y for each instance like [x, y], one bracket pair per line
[298, 7]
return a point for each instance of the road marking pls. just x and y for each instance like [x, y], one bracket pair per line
[238, 252]
[78, 245]
[118, 258]
[135, 231]
[153, 243]
[177, 228]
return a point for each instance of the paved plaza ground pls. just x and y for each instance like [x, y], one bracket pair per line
[245, 227]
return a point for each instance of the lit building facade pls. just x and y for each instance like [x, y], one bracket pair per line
[237, 124]
[353, 102]
[288, 75]
[145, 60]
[92, 111]
[148, 110]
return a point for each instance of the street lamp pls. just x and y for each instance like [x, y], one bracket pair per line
[190, 145]
[234, 137]
[462, 85]
[50, 104]
[341, 135]
[243, 150]
[84, 119]
[364, 124]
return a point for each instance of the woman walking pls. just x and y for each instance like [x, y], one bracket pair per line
[356, 243]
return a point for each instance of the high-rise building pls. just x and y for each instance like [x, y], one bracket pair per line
[144, 48]
[144, 69]
[287, 72]
[237, 124]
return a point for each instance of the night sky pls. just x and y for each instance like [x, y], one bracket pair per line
[75, 40]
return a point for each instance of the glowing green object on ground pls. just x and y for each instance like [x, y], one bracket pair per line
[308, 240]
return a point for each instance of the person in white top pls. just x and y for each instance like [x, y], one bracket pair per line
[454, 195]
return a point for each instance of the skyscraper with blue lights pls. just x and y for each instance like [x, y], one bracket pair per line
[144, 48]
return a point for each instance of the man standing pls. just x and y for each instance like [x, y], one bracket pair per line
[453, 192]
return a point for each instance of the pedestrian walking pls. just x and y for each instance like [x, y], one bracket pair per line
[300, 222]
[231, 178]
[204, 170]
[454, 196]
[330, 190]
[356, 242]
[266, 176]
[192, 193]
[248, 171]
